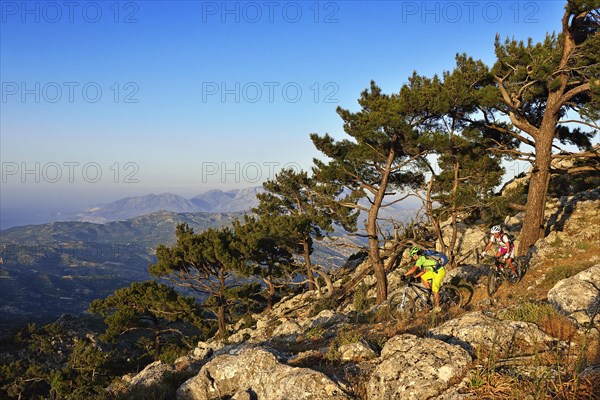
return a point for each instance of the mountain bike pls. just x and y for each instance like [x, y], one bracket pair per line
[501, 272]
[415, 298]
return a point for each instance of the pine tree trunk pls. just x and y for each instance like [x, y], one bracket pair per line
[221, 319]
[307, 264]
[533, 224]
[220, 295]
[271, 292]
[156, 346]
[432, 218]
[452, 245]
[374, 256]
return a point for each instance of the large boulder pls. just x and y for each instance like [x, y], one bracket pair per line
[416, 368]
[477, 331]
[579, 296]
[153, 374]
[257, 372]
[357, 351]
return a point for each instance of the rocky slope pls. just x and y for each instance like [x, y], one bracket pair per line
[538, 336]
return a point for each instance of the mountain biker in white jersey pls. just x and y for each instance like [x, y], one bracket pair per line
[506, 249]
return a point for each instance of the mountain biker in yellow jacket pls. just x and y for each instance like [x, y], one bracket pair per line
[428, 272]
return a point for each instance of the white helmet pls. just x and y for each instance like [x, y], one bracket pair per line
[495, 229]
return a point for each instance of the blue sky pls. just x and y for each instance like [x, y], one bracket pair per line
[103, 100]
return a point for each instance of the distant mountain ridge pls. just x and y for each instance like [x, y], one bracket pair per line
[59, 267]
[213, 201]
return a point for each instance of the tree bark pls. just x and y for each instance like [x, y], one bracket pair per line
[156, 346]
[221, 307]
[374, 256]
[328, 282]
[432, 218]
[452, 245]
[533, 224]
[271, 291]
[221, 318]
[307, 264]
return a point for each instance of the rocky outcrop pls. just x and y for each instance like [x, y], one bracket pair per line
[151, 375]
[476, 331]
[356, 351]
[579, 296]
[257, 373]
[275, 325]
[416, 368]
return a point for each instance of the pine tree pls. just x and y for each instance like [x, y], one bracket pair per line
[468, 171]
[266, 245]
[209, 263]
[145, 307]
[548, 91]
[382, 157]
[310, 216]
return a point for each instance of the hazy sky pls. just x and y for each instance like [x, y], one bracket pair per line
[103, 100]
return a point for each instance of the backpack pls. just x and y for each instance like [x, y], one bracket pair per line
[440, 258]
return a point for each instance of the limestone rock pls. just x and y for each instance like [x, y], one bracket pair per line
[152, 374]
[356, 351]
[579, 295]
[203, 350]
[326, 319]
[288, 328]
[476, 331]
[257, 372]
[414, 368]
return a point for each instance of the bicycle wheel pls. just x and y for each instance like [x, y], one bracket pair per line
[494, 281]
[399, 311]
[450, 296]
[419, 304]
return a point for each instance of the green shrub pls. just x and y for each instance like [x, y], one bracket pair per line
[315, 333]
[529, 311]
[560, 272]
[583, 246]
[361, 302]
[344, 336]
[325, 303]
[558, 242]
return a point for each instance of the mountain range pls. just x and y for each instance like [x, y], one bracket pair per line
[213, 201]
[60, 267]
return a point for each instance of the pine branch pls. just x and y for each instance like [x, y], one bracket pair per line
[520, 155]
[513, 105]
[583, 154]
[579, 122]
[492, 125]
[575, 170]
[574, 92]
[396, 201]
